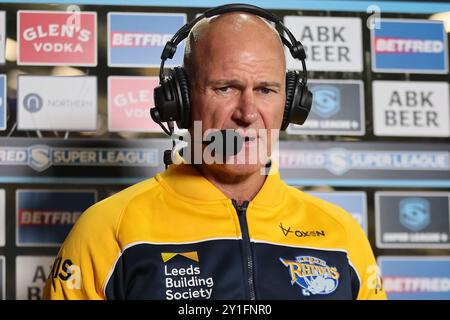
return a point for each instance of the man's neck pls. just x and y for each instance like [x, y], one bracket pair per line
[239, 188]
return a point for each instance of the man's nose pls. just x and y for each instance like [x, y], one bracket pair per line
[246, 112]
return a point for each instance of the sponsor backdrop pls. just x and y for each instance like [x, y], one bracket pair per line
[76, 87]
[2, 102]
[2, 37]
[416, 277]
[56, 38]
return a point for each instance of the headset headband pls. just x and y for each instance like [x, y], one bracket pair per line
[295, 47]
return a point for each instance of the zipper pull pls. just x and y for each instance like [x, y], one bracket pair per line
[240, 209]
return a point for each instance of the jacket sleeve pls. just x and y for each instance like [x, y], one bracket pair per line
[363, 261]
[86, 258]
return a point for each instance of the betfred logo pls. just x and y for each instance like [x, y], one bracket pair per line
[129, 102]
[416, 278]
[137, 39]
[57, 38]
[45, 217]
[407, 45]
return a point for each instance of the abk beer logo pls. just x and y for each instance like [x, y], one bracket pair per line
[57, 38]
[354, 202]
[31, 275]
[409, 46]
[412, 219]
[411, 108]
[416, 277]
[3, 100]
[2, 217]
[2, 278]
[331, 43]
[45, 217]
[129, 103]
[137, 39]
[337, 109]
[57, 103]
[2, 36]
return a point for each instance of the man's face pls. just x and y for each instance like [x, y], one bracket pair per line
[240, 84]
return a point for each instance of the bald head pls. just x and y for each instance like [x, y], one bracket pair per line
[235, 29]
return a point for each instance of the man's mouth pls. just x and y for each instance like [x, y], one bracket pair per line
[249, 139]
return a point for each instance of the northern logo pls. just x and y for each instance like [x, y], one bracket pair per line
[33, 102]
[313, 275]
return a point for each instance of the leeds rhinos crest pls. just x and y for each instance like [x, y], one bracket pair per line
[313, 275]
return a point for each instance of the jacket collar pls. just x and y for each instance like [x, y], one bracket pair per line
[188, 182]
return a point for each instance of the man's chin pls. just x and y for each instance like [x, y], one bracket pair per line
[242, 169]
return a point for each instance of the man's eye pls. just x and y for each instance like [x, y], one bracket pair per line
[265, 90]
[223, 89]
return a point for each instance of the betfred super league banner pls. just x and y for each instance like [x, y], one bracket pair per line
[137, 39]
[416, 278]
[56, 38]
[96, 160]
[301, 163]
[45, 217]
[409, 46]
[365, 164]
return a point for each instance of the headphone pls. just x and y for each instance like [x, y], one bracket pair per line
[171, 97]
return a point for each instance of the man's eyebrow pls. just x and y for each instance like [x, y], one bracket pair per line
[269, 84]
[221, 82]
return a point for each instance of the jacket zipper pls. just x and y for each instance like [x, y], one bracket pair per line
[248, 256]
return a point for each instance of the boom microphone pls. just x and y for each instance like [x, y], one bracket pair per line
[222, 144]
[230, 142]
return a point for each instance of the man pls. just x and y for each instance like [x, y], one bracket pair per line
[220, 231]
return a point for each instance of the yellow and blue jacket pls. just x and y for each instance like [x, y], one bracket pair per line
[176, 236]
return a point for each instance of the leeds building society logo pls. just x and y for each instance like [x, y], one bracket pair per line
[327, 100]
[415, 213]
[313, 275]
[185, 282]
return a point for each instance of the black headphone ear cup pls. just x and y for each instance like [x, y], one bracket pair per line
[185, 105]
[291, 84]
